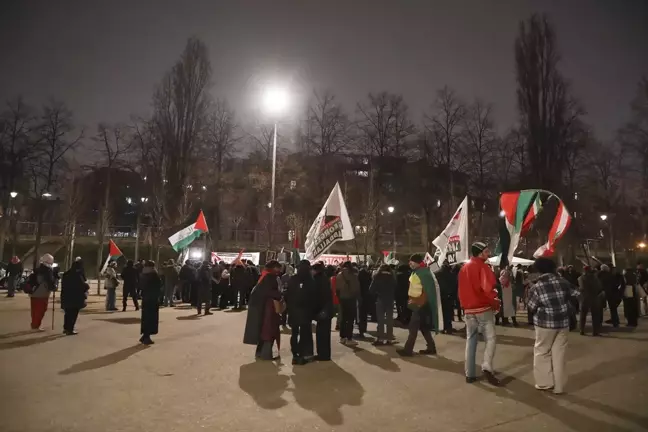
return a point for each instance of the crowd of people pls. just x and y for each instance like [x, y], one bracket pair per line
[557, 300]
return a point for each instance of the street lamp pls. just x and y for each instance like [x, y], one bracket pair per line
[275, 103]
[47, 194]
[13, 194]
[641, 245]
[129, 200]
[391, 209]
[603, 217]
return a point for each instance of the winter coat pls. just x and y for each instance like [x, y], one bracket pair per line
[364, 278]
[383, 287]
[262, 323]
[204, 281]
[111, 278]
[324, 308]
[170, 273]
[73, 289]
[610, 285]
[477, 291]
[187, 275]
[447, 282]
[44, 282]
[589, 286]
[15, 269]
[151, 285]
[347, 285]
[130, 276]
[301, 299]
[239, 278]
[402, 284]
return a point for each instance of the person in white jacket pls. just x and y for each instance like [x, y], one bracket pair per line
[110, 276]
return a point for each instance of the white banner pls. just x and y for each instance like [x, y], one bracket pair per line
[453, 241]
[334, 259]
[332, 224]
[228, 257]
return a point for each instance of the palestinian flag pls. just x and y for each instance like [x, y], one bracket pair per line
[183, 238]
[428, 280]
[113, 255]
[536, 207]
[514, 207]
[388, 257]
[558, 228]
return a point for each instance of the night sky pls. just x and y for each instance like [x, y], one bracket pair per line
[104, 57]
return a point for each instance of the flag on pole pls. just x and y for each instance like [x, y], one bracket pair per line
[183, 238]
[514, 209]
[332, 224]
[452, 243]
[113, 254]
[531, 216]
[558, 228]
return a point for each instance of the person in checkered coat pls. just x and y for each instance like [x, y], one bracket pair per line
[549, 301]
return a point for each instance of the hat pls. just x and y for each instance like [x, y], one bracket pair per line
[417, 258]
[47, 259]
[477, 248]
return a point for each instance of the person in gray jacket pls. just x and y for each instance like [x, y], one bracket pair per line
[383, 288]
[347, 287]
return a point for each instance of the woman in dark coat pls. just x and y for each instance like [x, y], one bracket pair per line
[324, 311]
[262, 322]
[204, 287]
[73, 295]
[150, 285]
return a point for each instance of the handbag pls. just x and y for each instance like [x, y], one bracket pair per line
[279, 306]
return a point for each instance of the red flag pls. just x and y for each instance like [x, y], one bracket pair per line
[295, 242]
[201, 223]
[238, 258]
[113, 250]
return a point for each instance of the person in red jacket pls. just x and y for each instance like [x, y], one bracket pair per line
[478, 298]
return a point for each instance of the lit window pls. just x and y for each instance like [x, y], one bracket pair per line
[293, 184]
[362, 173]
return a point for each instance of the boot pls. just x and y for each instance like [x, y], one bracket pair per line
[515, 323]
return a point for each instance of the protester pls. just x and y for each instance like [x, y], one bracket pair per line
[204, 287]
[507, 296]
[263, 317]
[130, 278]
[110, 275]
[423, 303]
[448, 289]
[591, 295]
[403, 313]
[301, 301]
[170, 273]
[630, 298]
[324, 311]
[14, 272]
[331, 273]
[347, 287]
[549, 303]
[42, 285]
[239, 279]
[383, 288]
[150, 286]
[224, 287]
[642, 289]
[365, 301]
[610, 284]
[285, 278]
[74, 291]
[479, 301]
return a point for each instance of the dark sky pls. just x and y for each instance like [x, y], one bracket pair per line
[104, 57]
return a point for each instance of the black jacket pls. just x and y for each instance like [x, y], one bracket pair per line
[15, 269]
[324, 308]
[301, 299]
[240, 278]
[383, 287]
[187, 274]
[447, 282]
[130, 276]
[73, 289]
[610, 284]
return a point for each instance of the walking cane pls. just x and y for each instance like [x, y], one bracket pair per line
[53, 301]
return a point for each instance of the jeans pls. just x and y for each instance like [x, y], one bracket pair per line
[479, 323]
[348, 309]
[11, 285]
[69, 319]
[168, 295]
[549, 358]
[111, 298]
[385, 312]
[590, 305]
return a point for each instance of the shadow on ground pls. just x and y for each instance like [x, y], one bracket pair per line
[28, 342]
[103, 361]
[16, 334]
[188, 317]
[263, 382]
[124, 320]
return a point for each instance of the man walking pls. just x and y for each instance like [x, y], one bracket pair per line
[425, 309]
[479, 300]
[549, 303]
[301, 300]
[347, 286]
[14, 271]
[448, 287]
[591, 297]
[130, 277]
[170, 273]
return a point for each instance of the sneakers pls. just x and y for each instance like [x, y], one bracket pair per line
[70, 333]
[491, 378]
[298, 361]
[343, 341]
[428, 351]
[379, 342]
[351, 343]
[470, 380]
[146, 341]
[404, 353]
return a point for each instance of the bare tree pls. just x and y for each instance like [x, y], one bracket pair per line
[112, 147]
[56, 140]
[546, 108]
[17, 147]
[384, 126]
[445, 124]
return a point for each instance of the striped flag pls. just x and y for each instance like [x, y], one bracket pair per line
[514, 207]
[113, 255]
[558, 229]
[183, 238]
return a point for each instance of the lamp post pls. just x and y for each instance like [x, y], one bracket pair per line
[604, 218]
[12, 221]
[275, 102]
[143, 201]
[391, 209]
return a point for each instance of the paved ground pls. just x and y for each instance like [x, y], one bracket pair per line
[200, 376]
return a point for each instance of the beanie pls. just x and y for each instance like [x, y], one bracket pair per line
[477, 248]
[417, 258]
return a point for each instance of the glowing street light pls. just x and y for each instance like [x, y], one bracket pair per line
[129, 200]
[641, 245]
[13, 194]
[390, 209]
[47, 194]
[144, 199]
[275, 103]
[603, 217]
[502, 213]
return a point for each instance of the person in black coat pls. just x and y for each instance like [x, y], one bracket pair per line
[150, 286]
[365, 301]
[403, 313]
[74, 290]
[324, 311]
[448, 293]
[130, 277]
[610, 283]
[383, 288]
[239, 280]
[187, 276]
[300, 300]
[204, 287]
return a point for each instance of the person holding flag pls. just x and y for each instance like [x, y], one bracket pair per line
[110, 274]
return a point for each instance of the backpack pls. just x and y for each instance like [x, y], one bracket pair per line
[30, 284]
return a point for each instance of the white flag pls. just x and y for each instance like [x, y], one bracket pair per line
[453, 241]
[331, 224]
